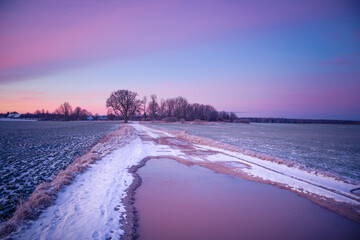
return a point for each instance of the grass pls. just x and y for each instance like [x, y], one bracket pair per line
[46, 192]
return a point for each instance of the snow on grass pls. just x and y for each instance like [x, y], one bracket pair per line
[91, 207]
[86, 208]
[292, 176]
[35, 152]
[331, 149]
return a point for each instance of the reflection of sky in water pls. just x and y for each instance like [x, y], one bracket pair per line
[175, 201]
[331, 148]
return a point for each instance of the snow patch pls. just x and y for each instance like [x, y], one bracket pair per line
[90, 208]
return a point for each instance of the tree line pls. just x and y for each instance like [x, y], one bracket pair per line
[298, 121]
[126, 104]
[64, 112]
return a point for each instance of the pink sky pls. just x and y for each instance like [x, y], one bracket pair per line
[51, 52]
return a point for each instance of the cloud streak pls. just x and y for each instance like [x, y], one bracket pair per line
[253, 56]
[47, 36]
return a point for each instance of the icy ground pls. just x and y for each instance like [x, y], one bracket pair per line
[330, 148]
[91, 207]
[32, 152]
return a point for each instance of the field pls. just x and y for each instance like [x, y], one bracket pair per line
[101, 202]
[329, 148]
[33, 152]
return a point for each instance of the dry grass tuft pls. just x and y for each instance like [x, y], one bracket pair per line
[7, 228]
[24, 211]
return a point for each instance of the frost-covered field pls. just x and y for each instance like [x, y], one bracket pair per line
[94, 205]
[334, 149]
[32, 152]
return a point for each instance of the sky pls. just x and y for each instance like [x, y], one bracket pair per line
[260, 58]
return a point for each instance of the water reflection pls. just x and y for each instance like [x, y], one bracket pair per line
[180, 202]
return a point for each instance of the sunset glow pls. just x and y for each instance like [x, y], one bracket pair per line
[296, 59]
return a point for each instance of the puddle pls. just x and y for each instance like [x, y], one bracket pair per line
[180, 202]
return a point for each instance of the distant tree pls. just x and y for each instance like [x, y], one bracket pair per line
[223, 116]
[76, 113]
[232, 116]
[46, 116]
[37, 114]
[213, 116]
[124, 103]
[194, 111]
[80, 113]
[143, 106]
[181, 107]
[200, 111]
[208, 113]
[169, 107]
[64, 110]
[153, 106]
[162, 108]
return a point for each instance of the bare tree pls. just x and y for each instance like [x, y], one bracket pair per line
[80, 113]
[77, 113]
[124, 103]
[195, 109]
[162, 108]
[153, 106]
[144, 106]
[208, 112]
[65, 110]
[181, 107]
[170, 105]
[232, 116]
[223, 116]
[213, 116]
